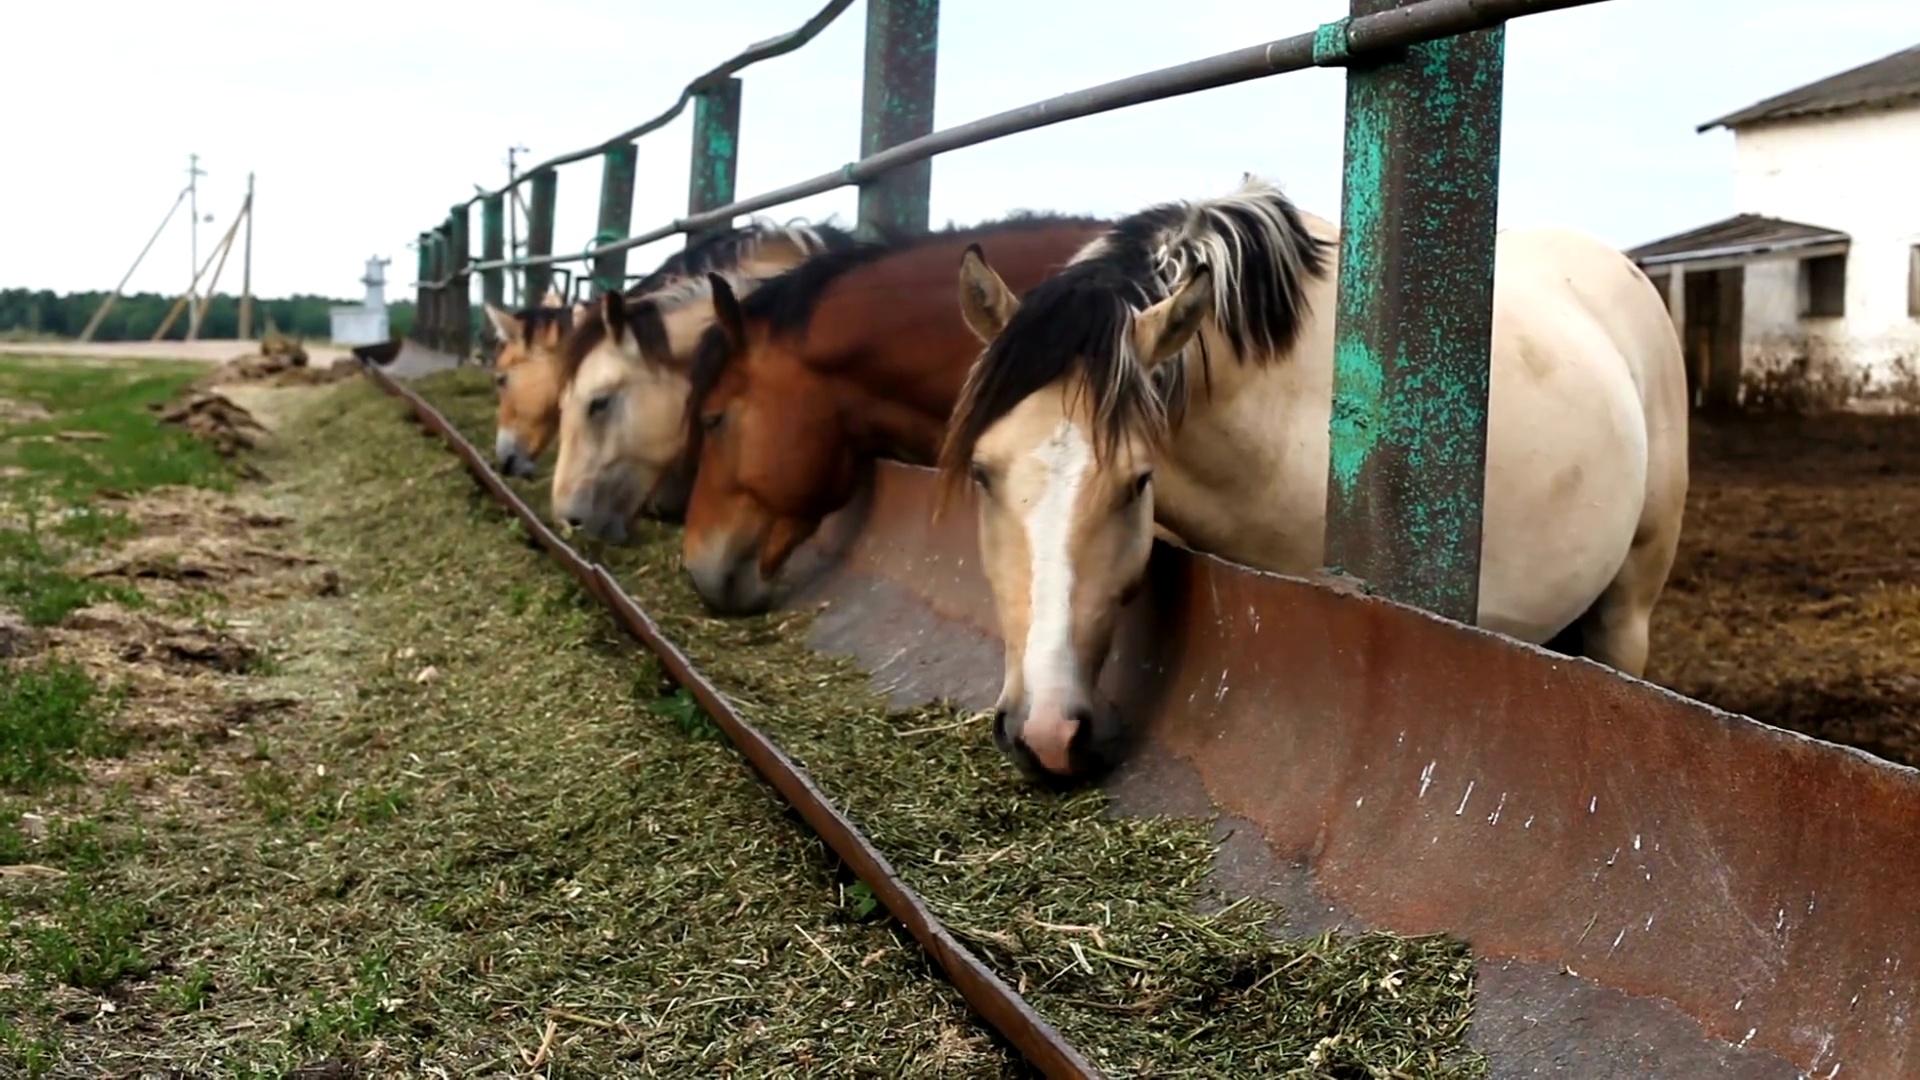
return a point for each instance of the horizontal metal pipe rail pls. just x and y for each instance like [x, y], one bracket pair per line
[1333, 45]
[983, 990]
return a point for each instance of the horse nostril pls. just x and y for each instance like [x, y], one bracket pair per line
[1000, 737]
[574, 521]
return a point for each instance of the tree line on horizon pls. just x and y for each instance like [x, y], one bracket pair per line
[135, 316]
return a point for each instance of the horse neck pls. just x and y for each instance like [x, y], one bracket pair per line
[890, 337]
[1245, 474]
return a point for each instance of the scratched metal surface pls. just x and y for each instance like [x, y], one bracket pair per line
[1653, 887]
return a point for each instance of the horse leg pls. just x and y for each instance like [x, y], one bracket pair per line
[1614, 630]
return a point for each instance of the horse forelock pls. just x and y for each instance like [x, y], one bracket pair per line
[1078, 323]
[710, 360]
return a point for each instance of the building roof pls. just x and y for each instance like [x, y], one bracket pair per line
[1740, 236]
[1890, 80]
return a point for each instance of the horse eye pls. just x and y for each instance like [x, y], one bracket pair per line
[710, 422]
[599, 404]
[981, 478]
[1140, 484]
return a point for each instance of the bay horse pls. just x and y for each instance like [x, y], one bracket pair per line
[1078, 431]
[528, 375]
[623, 379]
[800, 385]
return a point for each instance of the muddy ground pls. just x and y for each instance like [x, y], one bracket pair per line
[1796, 596]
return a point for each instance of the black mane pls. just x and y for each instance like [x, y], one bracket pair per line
[786, 301]
[720, 250]
[1079, 321]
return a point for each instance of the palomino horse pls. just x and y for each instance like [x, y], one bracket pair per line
[849, 357]
[623, 379]
[1078, 431]
[528, 372]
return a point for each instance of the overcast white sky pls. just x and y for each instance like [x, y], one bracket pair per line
[364, 121]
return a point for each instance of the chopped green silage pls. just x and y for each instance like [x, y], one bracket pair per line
[1092, 918]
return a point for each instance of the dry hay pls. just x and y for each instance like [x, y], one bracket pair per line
[278, 370]
[194, 539]
[215, 420]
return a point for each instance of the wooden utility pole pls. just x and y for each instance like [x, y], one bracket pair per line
[194, 173]
[100, 313]
[186, 298]
[246, 270]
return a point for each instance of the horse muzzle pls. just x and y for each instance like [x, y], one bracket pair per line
[1060, 746]
[512, 458]
[730, 585]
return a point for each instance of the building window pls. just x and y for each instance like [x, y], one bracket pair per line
[1913, 281]
[1823, 287]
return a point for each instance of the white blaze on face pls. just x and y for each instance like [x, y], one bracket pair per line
[1049, 666]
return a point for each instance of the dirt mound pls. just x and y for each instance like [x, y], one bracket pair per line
[214, 419]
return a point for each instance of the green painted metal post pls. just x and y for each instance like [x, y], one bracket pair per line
[460, 291]
[493, 244]
[540, 235]
[903, 46]
[438, 334]
[1414, 316]
[616, 216]
[716, 149]
[423, 245]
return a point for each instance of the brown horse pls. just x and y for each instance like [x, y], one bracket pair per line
[851, 356]
[623, 385]
[529, 373]
[526, 379]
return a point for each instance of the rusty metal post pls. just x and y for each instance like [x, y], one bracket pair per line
[424, 247]
[460, 290]
[903, 44]
[1414, 320]
[616, 216]
[716, 149]
[540, 236]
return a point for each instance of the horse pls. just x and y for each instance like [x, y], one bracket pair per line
[623, 379]
[525, 379]
[799, 386]
[528, 373]
[1081, 427]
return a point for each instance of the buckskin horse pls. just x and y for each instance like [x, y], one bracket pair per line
[1180, 370]
[527, 372]
[796, 388]
[623, 375]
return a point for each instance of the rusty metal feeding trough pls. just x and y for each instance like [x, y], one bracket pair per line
[1653, 888]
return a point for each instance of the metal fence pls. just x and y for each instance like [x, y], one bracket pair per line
[1414, 311]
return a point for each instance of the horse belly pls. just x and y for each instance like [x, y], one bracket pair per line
[1567, 458]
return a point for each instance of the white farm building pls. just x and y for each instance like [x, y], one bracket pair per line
[1818, 275]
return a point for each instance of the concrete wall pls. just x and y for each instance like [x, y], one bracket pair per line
[1859, 173]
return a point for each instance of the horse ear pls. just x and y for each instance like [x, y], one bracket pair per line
[726, 312]
[613, 313]
[1161, 331]
[985, 301]
[581, 310]
[505, 326]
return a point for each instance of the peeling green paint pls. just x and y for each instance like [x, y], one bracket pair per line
[716, 146]
[902, 57]
[493, 246]
[1407, 432]
[617, 168]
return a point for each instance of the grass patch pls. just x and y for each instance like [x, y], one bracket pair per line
[1093, 918]
[101, 435]
[49, 713]
[34, 584]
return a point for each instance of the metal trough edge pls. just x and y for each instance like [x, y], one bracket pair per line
[996, 1002]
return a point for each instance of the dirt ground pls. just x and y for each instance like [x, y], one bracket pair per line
[1796, 595]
